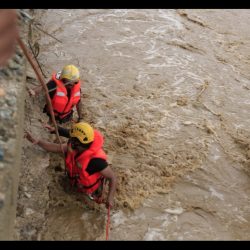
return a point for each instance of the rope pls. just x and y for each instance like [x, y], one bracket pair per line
[35, 56]
[41, 80]
[107, 225]
[101, 201]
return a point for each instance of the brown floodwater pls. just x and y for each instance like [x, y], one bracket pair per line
[169, 89]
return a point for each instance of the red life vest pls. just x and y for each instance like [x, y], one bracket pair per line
[61, 104]
[76, 165]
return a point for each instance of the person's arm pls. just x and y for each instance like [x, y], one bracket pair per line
[51, 86]
[109, 174]
[61, 131]
[48, 146]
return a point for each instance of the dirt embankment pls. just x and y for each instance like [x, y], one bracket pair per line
[12, 92]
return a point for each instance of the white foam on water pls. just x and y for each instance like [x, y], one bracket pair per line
[153, 234]
[176, 211]
[119, 53]
[118, 218]
[216, 194]
[181, 80]
[172, 18]
[121, 13]
[243, 220]
[216, 157]
[237, 126]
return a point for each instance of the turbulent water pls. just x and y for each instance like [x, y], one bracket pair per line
[169, 89]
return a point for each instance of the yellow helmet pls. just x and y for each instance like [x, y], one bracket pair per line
[83, 132]
[70, 72]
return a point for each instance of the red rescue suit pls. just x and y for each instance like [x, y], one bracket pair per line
[61, 103]
[76, 165]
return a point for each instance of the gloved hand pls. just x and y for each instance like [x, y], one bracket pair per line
[50, 128]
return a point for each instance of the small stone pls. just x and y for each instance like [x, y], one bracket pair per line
[11, 101]
[19, 210]
[13, 65]
[28, 232]
[5, 114]
[27, 195]
[18, 59]
[30, 73]
[187, 123]
[2, 92]
[175, 211]
[29, 211]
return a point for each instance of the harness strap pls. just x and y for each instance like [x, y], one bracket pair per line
[86, 187]
[62, 113]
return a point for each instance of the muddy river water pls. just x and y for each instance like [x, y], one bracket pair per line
[169, 89]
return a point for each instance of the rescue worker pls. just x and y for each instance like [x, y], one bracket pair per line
[65, 93]
[85, 160]
[8, 35]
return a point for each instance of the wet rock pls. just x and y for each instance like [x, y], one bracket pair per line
[11, 101]
[5, 114]
[30, 74]
[3, 135]
[29, 211]
[31, 79]
[20, 210]
[2, 198]
[5, 73]
[13, 65]
[1, 154]
[18, 58]
[2, 103]
[27, 195]
[28, 232]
